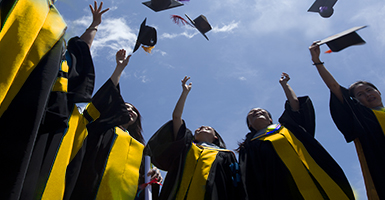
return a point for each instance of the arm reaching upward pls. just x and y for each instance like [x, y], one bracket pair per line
[290, 95]
[89, 35]
[178, 110]
[329, 80]
[121, 63]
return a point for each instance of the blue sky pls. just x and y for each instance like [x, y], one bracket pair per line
[252, 42]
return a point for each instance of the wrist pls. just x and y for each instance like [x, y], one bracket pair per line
[316, 60]
[318, 63]
[92, 28]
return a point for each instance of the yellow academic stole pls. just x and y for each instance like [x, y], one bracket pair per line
[380, 114]
[197, 167]
[300, 164]
[121, 175]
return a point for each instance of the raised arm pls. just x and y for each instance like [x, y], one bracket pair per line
[329, 80]
[290, 95]
[89, 35]
[121, 63]
[178, 110]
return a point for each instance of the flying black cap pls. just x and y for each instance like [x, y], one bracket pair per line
[344, 39]
[146, 36]
[323, 7]
[159, 5]
[201, 24]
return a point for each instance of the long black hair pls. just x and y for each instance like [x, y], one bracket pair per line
[135, 129]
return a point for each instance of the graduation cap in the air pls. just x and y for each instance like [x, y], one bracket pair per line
[201, 24]
[146, 36]
[323, 7]
[342, 40]
[159, 5]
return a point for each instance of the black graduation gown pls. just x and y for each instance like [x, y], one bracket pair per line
[221, 182]
[86, 174]
[40, 56]
[265, 175]
[55, 138]
[357, 121]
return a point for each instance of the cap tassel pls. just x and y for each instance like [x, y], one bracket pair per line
[328, 51]
[148, 49]
[178, 20]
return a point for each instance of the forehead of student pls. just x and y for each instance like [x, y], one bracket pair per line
[363, 87]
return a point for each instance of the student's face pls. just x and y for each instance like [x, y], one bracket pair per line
[368, 96]
[258, 118]
[133, 114]
[205, 134]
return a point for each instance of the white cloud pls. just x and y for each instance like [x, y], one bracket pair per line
[141, 76]
[113, 33]
[226, 28]
[242, 78]
[171, 36]
[163, 53]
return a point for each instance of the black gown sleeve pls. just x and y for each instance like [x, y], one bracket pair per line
[86, 169]
[164, 149]
[223, 182]
[82, 77]
[303, 119]
[112, 108]
[347, 115]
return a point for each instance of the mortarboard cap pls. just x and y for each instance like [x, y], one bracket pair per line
[159, 5]
[344, 39]
[201, 24]
[323, 7]
[146, 36]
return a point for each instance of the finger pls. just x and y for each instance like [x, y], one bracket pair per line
[100, 6]
[95, 5]
[105, 10]
[92, 9]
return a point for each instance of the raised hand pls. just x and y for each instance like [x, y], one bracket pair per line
[284, 78]
[178, 110]
[97, 14]
[290, 95]
[121, 59]
[315, 52]
[121, 63]
[186, 88]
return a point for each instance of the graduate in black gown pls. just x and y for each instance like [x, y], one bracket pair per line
[285, 161]
[198, 166]
[73, 83]
[359, 114]
[109, 164]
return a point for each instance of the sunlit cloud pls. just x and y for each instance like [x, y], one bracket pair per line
[113, 34]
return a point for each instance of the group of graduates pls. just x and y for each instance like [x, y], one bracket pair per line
[51, 150]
